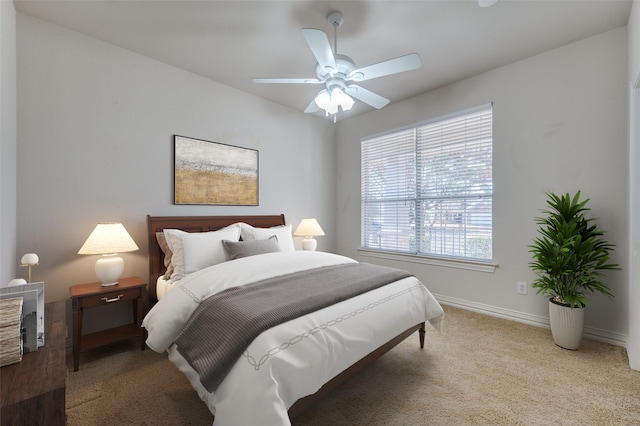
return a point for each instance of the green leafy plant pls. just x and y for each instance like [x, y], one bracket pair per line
[571, 253]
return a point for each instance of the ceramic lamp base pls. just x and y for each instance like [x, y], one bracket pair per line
[309, 244]
[109, 269]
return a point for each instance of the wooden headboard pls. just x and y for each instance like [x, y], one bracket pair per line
[193, 224]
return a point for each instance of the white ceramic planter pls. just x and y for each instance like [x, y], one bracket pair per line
[567, 325]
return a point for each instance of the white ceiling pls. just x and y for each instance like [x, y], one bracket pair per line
[232, 41]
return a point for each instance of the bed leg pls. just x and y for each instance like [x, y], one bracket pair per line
[422, 333]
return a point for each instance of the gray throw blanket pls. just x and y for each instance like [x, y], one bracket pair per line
[223, 326]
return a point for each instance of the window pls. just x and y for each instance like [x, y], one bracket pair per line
[427, 190]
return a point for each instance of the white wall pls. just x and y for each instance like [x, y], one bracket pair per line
[96, 125]
[560, 124]
[633, 28]
[8, 138]
[633, 345]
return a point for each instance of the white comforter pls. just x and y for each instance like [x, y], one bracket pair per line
[294, 359]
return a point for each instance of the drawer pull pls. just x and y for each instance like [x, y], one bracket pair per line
[115, 299]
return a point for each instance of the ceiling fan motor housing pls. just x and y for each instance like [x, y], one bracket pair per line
[335, 83]
[345, 67]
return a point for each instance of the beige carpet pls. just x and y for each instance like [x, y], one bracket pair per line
[480, 371]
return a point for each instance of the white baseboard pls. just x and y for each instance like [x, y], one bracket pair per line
[535, 320]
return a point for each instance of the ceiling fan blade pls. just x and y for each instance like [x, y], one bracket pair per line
[287, 80]
[366, 96]
[392, 66]
[319, 44]
[312, 107]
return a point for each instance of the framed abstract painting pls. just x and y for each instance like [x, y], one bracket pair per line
[215, 173]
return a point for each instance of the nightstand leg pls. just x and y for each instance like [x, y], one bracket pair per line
[77, 333]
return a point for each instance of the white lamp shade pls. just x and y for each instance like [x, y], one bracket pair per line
[309, 228]
[30, 259]
[338, 97]
[323, 100]
[108, 239]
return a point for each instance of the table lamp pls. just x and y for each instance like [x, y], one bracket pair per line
[30, 260]
[308, 229]
[109, 239]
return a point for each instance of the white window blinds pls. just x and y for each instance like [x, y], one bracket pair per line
[428, 189]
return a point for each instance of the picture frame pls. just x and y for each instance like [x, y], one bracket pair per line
[213, 173]
[32, 311]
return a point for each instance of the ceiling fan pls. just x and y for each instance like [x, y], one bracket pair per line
[338, 73]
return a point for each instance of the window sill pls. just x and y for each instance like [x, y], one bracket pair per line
[456, 263]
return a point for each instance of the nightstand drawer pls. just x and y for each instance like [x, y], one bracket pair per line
[111, 297]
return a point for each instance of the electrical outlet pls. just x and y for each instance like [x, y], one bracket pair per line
[521, 287]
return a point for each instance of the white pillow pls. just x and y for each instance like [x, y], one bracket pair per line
[198, 250]
[282, 233]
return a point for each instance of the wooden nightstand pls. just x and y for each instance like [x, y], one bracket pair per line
[94, 294]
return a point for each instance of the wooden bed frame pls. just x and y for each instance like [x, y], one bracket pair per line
[212, 223]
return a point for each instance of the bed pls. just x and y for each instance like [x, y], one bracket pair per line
[288, 367]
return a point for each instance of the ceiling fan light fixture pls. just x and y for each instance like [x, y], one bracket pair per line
[330, 102]
[323, 99]
[338, 97]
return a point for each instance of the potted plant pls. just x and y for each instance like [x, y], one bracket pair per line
[569, 258]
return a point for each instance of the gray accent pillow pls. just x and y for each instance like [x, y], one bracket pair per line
[238, 249]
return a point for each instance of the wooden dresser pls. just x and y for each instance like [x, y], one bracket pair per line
[33, 390]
